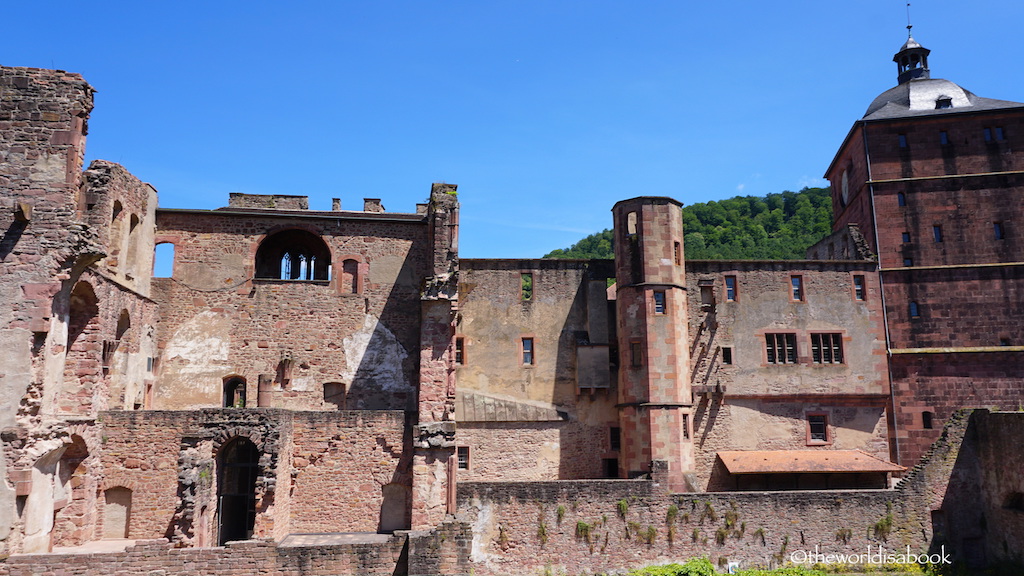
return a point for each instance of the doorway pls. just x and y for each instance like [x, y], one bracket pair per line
[236, 490]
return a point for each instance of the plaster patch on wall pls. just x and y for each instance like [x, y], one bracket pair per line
[374, 357]
[48, 168]
[484, 532]
[199, 347]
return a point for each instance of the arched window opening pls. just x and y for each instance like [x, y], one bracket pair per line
[163, 260]
[133, 241]
[236, 490]
[234, 392]
[293, 255]
[116, 211]
[124, 322]
[350, 277]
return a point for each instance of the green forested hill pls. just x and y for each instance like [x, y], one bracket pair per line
[777, 226]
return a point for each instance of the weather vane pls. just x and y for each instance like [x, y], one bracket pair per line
[909, 25]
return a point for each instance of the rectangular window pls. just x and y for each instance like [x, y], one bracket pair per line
[460, 351]
[997, 227]
[817, 429]
[901, 198]
[827, 348]
[615, 438]
[908, 262]
[781, 348]
[906, 237]
[463, 456]
[636, 354]
[730, 288]
[859, 288]
[988, 134]
[903, 140]
[943, 138]
[726, 354]
[915, 310]
[526, 285]
[659, 302]
[686, 426]
[528, 351]
[797, 283]
[677, 249]
[1000, 135]
[937, 233]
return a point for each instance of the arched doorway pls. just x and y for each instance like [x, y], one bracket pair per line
[238, 466]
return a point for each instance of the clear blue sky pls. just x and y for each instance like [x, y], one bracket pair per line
[543, 112]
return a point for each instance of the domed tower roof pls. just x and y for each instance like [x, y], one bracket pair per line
[918, 94]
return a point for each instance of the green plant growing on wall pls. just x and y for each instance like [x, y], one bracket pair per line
[844, 535]
[583, 531]
[559, 514]
[696, 535]
[883, 527]
[708, 512]
[542, 533]
[632, 529]
[671, 534]
[605, 544]
[720, 535]
[622, 506]
[731, 516]
[686, 517]
[648, 535]
[759, 534]
[670, 516]
[781, 556]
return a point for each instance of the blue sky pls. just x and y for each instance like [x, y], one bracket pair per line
[545, 113]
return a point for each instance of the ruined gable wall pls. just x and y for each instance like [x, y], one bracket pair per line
[216, 320]
[508, 412]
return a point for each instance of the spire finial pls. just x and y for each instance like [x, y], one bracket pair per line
[909, 25]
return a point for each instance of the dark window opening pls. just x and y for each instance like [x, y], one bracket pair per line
[908, 262]
[350, 277]
[943, 138]
[462, 453]
[903, 140]
[915, 310]
[817, 428]
[781, 348]
[677, 250]
[636, 354]
[926, 419]
[937, 233]
[827, 348]
[293, 255]
[901, 199]
[1000, 135]
[988, 134]
[334, 393]
[611, 467]
[730, 288]
[1004, 341]
[615, 438]
[906, 237]
[726, 354]
[460, 351]
[1000, 233]
[942, 104]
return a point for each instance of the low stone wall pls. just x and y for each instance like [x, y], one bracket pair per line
[616, 525]
[158, 558]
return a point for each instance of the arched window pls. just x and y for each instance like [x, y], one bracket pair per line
[163, 260]
[234, 392]
[350, 277]
[293, 255]
[124, 322]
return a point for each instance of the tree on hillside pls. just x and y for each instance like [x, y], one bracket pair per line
[774, 227]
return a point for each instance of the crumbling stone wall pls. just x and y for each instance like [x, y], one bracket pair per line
[217, 320]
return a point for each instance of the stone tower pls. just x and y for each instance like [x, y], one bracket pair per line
[654, 389]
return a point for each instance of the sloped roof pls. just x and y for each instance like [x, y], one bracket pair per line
[918, 98]
[806, 461]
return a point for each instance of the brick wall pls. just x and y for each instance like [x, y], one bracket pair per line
[217, 321]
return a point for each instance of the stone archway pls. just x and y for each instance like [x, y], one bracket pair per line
[237, 469]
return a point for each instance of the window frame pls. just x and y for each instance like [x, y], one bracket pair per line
[462, 457]
[660, 303]
[797, 290]
[860, 288]
[810, 439]
[834, 347]
[731, 288]
[784, 342]
[528, 351]
[460, 350]
[636, 354]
